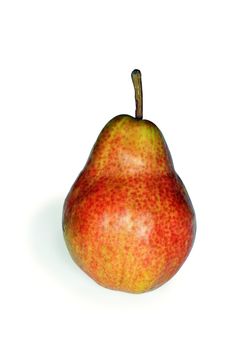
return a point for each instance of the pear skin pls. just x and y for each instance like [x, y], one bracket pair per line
[128, 221]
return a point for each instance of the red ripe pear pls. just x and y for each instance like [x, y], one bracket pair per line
[128, 220]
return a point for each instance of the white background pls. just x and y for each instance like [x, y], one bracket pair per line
[64, 72]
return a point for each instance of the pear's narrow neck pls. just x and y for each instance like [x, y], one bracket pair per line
[137, 82]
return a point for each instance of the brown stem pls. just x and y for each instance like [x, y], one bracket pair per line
[137, 83]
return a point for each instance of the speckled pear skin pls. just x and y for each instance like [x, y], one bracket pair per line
[128, 221]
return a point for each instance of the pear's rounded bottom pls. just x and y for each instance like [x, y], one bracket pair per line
[131, 280]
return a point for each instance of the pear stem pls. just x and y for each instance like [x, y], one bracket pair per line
[137, 83]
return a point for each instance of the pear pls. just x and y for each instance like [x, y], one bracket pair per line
[128, 221]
